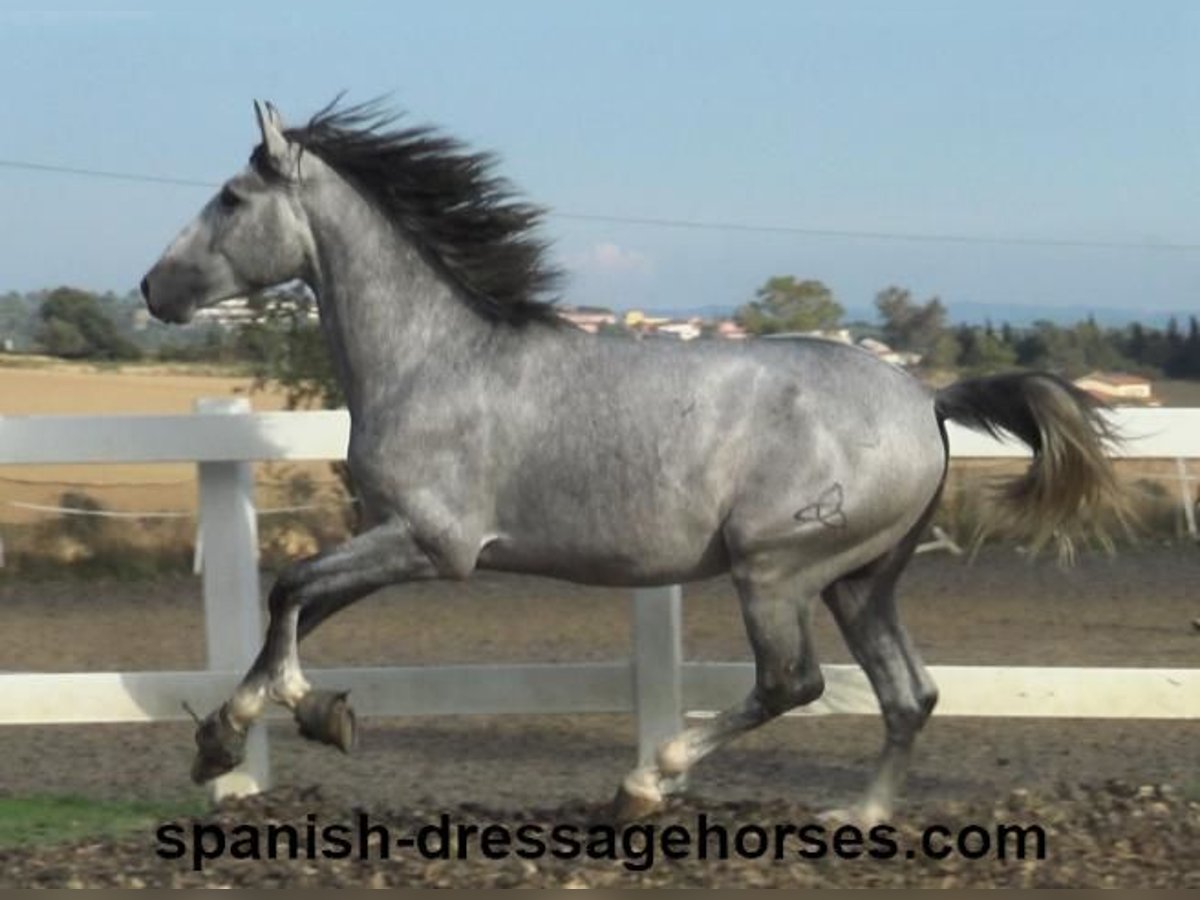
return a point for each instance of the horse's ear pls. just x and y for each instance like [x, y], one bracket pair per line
[276, 118]
[271, 125]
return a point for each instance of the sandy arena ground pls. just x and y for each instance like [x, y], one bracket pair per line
[1135, 610]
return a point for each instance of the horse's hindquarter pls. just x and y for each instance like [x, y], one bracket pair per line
[655, 463]
[849, 457]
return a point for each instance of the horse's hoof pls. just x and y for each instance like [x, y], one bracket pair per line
[630, 807]
[220, 747]
[327, 717]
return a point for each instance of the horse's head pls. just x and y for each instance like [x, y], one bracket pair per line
[252, 235]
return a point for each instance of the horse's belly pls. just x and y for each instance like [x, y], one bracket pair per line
[615, 563]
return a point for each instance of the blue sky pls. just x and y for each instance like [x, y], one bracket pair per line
[1046, 120]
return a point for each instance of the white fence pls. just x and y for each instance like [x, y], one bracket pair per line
[655, 684]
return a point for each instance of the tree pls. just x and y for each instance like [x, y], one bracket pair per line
[785, 304]
[60, 337]
[1100, 349]
[1137, 344]
[1043, 346]
[286, 347]
[1174, 350]
[1187, 361]
[18, 320]
[983, 351]
[75, 326]
[942, 353]
[916, 327]
[1073, 350]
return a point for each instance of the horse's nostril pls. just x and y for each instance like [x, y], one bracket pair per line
[146, 289]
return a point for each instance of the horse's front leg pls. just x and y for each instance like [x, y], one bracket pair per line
[386, 554]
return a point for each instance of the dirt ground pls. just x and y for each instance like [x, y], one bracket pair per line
[1122, 797]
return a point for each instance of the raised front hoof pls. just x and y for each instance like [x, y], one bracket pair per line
[629, 807]
[220, 747]
[328, 718]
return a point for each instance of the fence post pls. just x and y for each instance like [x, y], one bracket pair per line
[232, 617]
[1185, 496]
[657, 667]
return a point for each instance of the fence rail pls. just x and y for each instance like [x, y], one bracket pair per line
[655, 683]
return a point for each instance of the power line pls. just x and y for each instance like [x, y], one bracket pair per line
[693, 224]
[100, 173]
[919, 237]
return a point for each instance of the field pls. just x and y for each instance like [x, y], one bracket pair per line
[44, 387]
[38, 541]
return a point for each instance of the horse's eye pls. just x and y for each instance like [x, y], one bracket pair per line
[229, 199]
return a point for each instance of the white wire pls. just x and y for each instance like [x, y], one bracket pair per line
[160, 514]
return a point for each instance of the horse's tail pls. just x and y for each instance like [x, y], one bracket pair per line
[1070, 482]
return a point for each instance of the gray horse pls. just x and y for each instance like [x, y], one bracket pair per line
[488, 433]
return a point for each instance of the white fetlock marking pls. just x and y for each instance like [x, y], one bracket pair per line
[643, 784]
[245, 706]
[872, 814]
[673, 757]
[289, 687]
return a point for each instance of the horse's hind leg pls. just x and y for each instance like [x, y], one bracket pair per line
[786, 675]
[384, 555]
[864, 606]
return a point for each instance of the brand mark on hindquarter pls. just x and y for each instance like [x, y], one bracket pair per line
[827, 509]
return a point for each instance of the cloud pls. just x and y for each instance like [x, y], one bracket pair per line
[609, 258]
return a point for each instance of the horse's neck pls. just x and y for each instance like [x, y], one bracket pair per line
[384, 309]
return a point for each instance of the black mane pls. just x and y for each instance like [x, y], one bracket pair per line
[446, 199]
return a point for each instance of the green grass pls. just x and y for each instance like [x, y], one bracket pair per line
[54, 819]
